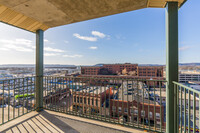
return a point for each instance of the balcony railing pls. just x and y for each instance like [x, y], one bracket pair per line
[130, 102]
[17, 97]
[134, 103]
[187, 108]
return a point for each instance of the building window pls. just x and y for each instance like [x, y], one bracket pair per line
[120, 109]
[131, 110]
[92, 101]
[85, 100]
[135, 112]
[113, 108]
[96, 102]
[157, 115]
[150, 115]
[81, 100]
[88, 101]
[142, 113]
[74, 99]
[125, 110]
[77, 99]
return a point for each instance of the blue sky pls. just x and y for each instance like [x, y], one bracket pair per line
[135, 37]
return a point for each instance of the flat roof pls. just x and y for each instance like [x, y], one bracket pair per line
[32, 15]
[95, 89]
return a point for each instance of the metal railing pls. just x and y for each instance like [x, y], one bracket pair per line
[187, 108]
[17, 97]
[135, 103]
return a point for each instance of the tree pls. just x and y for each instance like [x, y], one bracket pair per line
[124, 72]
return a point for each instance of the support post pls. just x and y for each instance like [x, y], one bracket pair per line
[39, 70]
[171, 65]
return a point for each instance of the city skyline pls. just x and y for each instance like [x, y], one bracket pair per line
[135, 37]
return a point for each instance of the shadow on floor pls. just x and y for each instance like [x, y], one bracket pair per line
[42, 122]
[50, 122]
[87, 127]
[57, 122]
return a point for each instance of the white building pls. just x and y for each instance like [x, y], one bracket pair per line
[183, 78]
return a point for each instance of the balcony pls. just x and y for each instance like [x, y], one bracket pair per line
[50, 121]
[110, 100]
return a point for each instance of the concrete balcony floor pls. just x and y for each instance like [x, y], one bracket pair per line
[54, 122]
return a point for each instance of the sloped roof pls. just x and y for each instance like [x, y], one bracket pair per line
[32, 15]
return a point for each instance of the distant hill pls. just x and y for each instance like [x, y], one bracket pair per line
[33, 65]
[99, 65]
[189, 64]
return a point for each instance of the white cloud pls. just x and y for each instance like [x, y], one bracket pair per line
[18, 48]
[25, 42]
[4, 49]
[184, 48]
[92, 39]
[73, 56]
[50, 54]
[99, 34]
[45, 40]
[49, 49]
[23, 45]
[66, 41]
[93, 47]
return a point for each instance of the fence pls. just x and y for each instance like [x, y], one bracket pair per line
[17, 97]
[187, 108]
[130, 102]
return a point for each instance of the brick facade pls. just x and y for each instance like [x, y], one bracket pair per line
[132, 108]
[140, 71]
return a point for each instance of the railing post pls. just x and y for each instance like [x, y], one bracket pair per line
[39, 70]
[171, 64]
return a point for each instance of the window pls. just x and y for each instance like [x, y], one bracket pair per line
[157, 115]
[142, 113]
[92, 101]
[77, 99]
[135, 112]
[150, 115]
[88, 101]
[74, 99]
[96, 102]
[131, 110]
[113, 108]
[125, 110]
[81, 100]
[120, 109]
[85, 100]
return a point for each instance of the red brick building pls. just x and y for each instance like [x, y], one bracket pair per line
[131, 109]
[90, 70]
[150, 71]
[117, 68]
[112, 69]
[91, 99]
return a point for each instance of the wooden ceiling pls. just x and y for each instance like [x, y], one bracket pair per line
[32, 15]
